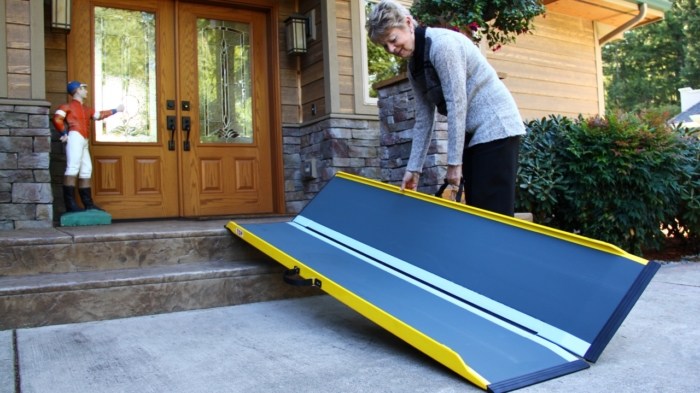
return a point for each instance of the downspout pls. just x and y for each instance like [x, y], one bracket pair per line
[642, 14]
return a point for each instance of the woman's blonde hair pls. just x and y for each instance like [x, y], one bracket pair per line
[385, 16]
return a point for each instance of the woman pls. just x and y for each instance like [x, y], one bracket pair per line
[448, 72]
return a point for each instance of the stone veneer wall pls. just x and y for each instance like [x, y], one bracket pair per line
[397, 117]
[337, 144]
[26, 199]
[376, 150]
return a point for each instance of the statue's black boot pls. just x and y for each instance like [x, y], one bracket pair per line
[69, 200]
[86, 198]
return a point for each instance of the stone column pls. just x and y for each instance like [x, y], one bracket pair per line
[26, 200]
[333, 144]
[396, 120]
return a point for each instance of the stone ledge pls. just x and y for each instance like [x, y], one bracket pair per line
[30, 237]
[24, 103]
[126, 231]
[123, 301]
[103, 248]
[159, 229]
[46, 283]
[388, 82]
[129, 254]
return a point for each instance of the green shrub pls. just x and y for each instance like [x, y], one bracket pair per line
[622, 174]
[662, 113]
[541, 176]
[619, 179]
[686, 225]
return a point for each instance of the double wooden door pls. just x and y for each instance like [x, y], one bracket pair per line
[195, 136]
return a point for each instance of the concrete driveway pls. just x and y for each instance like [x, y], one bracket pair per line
[318, 344]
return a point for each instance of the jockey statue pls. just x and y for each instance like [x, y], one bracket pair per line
[72, 120]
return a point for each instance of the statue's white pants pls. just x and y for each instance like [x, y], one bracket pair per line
[78, 156]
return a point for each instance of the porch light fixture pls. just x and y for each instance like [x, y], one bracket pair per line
[60, 14]
[296, 26]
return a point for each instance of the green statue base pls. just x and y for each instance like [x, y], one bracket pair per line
[88, 217]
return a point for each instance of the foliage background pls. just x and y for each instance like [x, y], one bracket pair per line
[645, 70]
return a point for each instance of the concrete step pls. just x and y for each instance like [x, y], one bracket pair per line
[122, 246]
[49, 299]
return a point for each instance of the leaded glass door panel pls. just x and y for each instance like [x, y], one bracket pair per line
[223, 60]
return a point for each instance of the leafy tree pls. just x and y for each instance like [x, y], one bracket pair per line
[499, 21]
[690, 17]
[645, 69]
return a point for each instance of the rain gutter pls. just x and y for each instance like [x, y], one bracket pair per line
[630, 24]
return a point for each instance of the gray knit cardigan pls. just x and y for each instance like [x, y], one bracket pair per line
[475, 99]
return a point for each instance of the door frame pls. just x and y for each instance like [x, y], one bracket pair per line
[271, 11]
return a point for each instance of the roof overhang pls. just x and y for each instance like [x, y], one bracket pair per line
[613, 13]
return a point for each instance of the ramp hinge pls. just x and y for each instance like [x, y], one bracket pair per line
[299, 282]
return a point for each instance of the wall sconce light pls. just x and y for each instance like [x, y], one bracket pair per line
[297, 26]
[60, 14]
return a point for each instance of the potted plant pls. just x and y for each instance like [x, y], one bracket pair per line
[499, 21]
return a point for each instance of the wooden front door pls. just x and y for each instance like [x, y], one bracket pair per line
[195, 138]
[222, 57]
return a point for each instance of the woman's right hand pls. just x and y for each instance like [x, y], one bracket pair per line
[410, 180]
[454, 174]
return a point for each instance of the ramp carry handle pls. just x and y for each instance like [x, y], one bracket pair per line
[299, 282]
[458, 199]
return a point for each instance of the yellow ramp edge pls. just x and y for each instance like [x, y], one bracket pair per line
[566, 236]
[425, 344]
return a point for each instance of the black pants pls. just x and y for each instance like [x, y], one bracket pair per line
[489, 171]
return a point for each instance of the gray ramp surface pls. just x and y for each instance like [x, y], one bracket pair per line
[569, 286]
[490, 349]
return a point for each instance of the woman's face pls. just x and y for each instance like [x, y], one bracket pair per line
[401, 40]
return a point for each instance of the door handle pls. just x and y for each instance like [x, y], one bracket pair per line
[186, 127]
[171, 122]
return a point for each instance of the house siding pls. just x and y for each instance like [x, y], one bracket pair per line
[345, 74]
[289, 67]
[312, 67]
[18, 49]
[553, 71]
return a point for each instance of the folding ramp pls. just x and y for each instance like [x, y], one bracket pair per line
[503, 302]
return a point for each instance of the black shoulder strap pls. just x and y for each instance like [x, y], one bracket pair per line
[416, 62]
[442, 189]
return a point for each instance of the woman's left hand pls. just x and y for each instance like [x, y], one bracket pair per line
[454, 174]
[410, 181]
